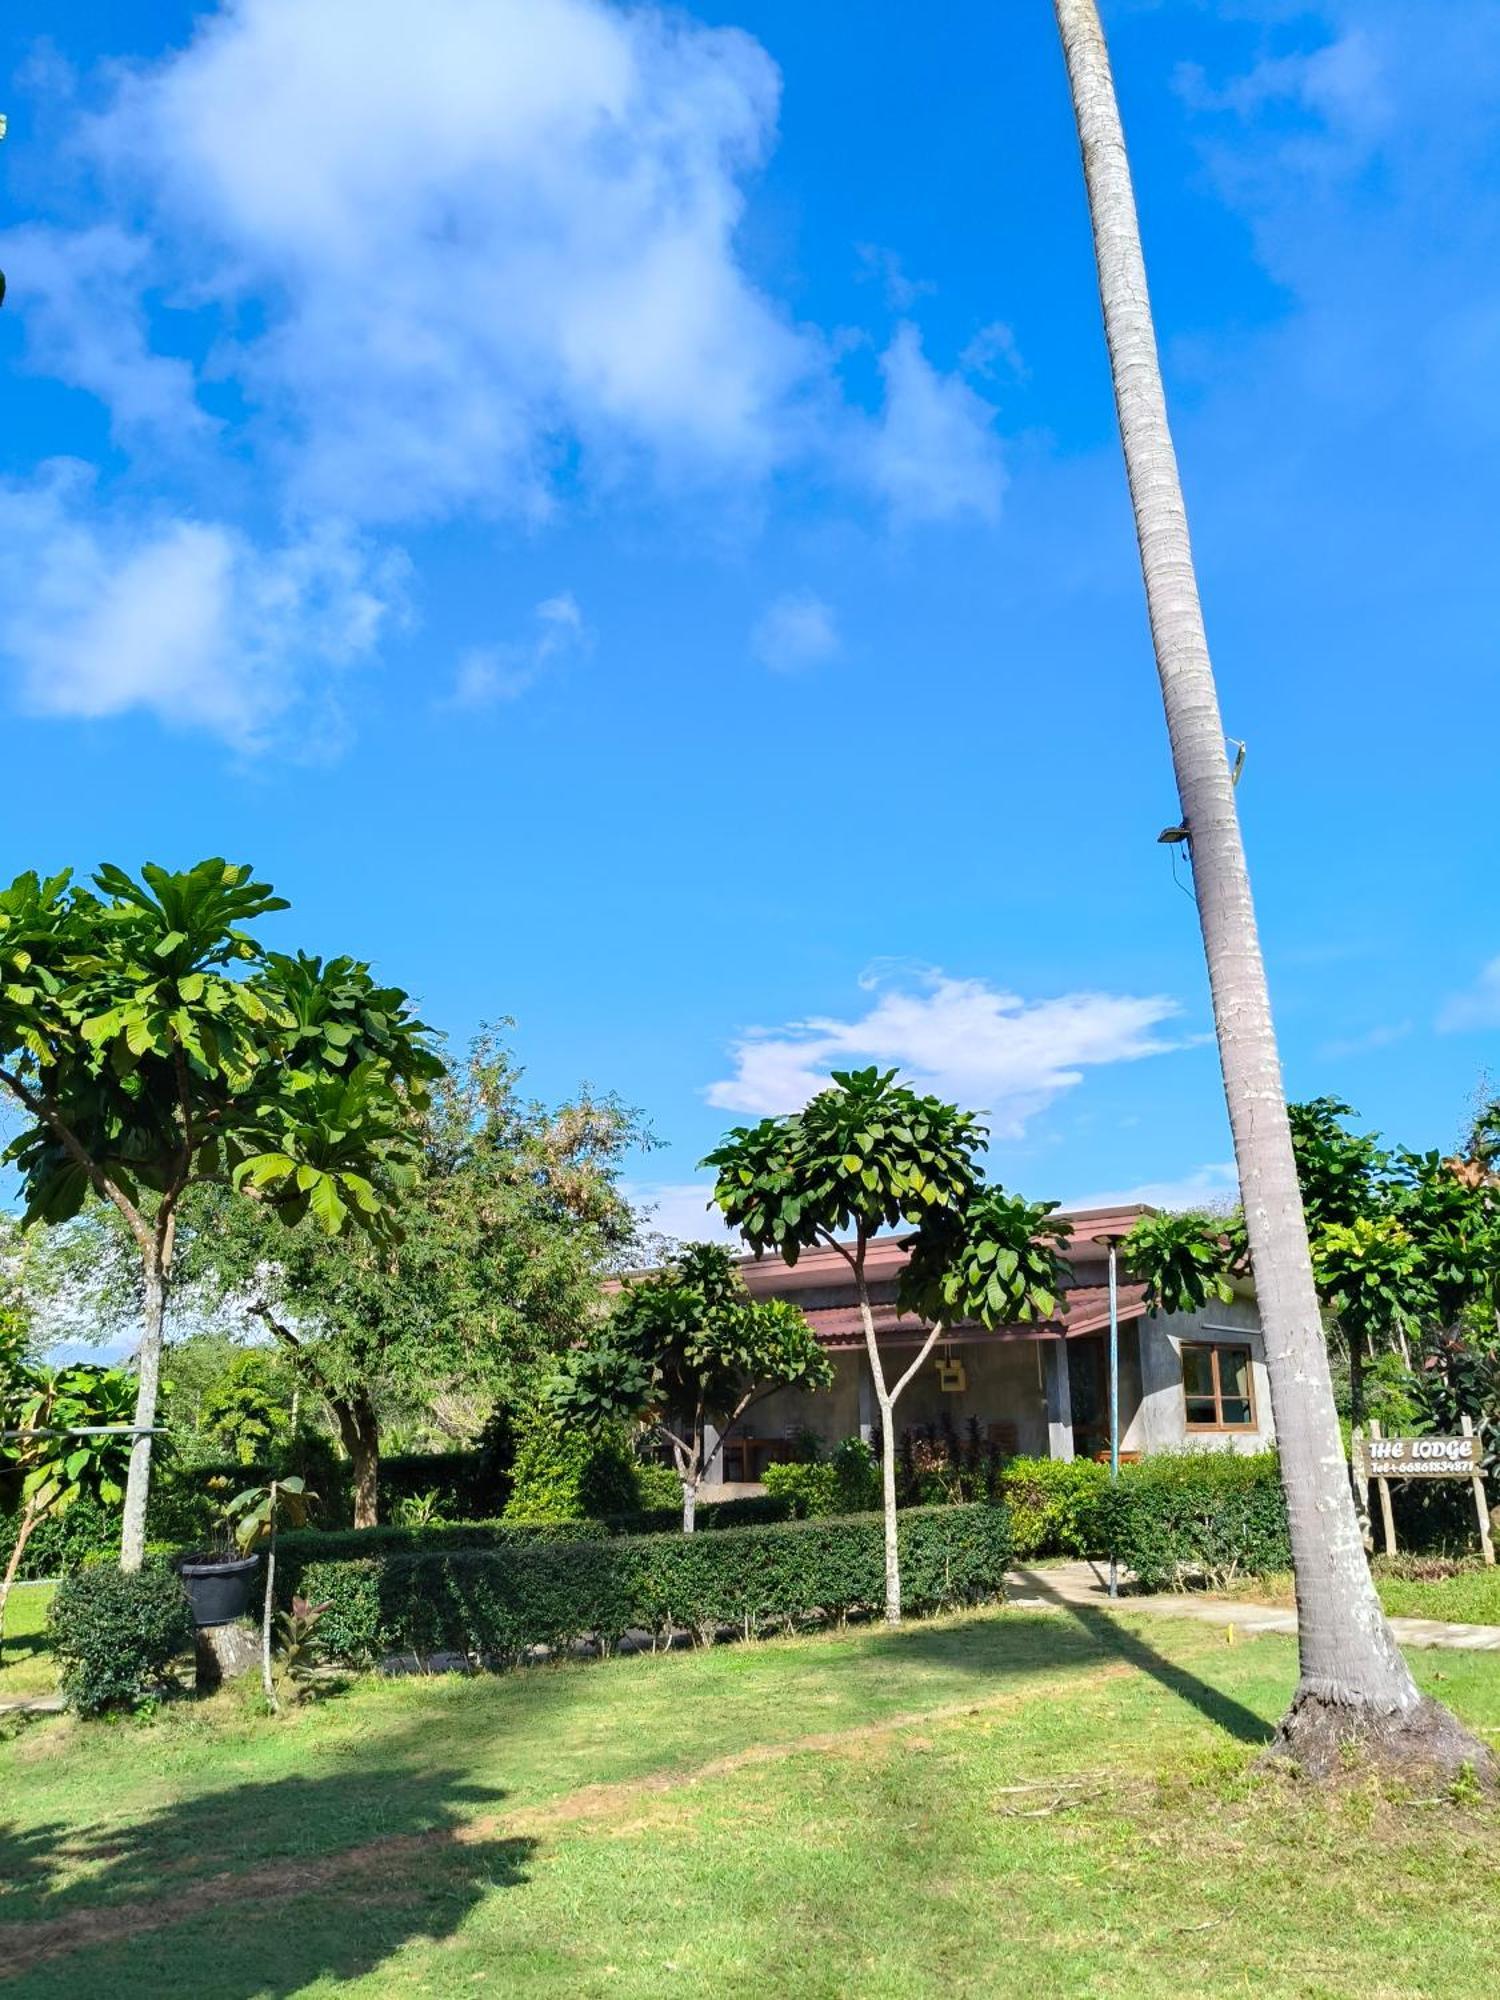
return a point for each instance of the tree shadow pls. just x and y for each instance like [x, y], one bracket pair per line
[254, 1890]
[1041, 1645]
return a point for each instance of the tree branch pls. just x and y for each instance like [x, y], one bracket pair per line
[73, 1147]
[927, 1346]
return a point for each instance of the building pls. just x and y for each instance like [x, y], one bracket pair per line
[1042, 1390]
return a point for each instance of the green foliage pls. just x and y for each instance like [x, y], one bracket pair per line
[865, 1154]
[1368, 1275]
[300, 1665]
[115, 1636]
[143, 1018]
[1183, 1260]
[61, 1543]
[258, 1513]
[995, 1259]
[1056, 1506]
[563, 1472]
[245, 1410]
[495, 1605]
[657, 1487]
[1213, 1515]
[846, 1482]
[685, 1347]
[513, 1218]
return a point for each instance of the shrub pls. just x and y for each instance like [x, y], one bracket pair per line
[116, 1635]
[657, 1487]
[1213, 1514]
[563, 1473]
[62, 1543]
[495, 1604]
[1055, 1505]
[809, 1490]
[938, 1464]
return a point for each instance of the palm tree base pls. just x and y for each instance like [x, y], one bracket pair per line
[1323, 1739]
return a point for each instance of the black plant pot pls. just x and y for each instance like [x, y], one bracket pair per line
[219, 1589]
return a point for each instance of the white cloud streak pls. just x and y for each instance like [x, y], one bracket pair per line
[797, 630]
[962, 1039]
[488, 675]
[1478, 1007]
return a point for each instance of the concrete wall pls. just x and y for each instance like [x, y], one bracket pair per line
[1160, 1423]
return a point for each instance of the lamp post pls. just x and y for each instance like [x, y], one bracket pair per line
[1110, 1244]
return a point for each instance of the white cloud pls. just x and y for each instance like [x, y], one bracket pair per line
[469, 251]
[934, 453]
[680, 1211]
[490, 674]
[1212, 1187]
[1383, 1036]
[112, 611]
[1478, 1007]
[962, 1039]
[797, 630]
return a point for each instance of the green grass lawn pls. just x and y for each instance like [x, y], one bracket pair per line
[1472, 1597]
[25, 1663]
[988, 1805]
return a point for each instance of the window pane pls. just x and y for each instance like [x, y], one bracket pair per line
[1234, 1384]
[1201, 1410]
[1198, 1377]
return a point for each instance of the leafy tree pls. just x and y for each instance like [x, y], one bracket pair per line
[513, 1215]
[686, 1348]
[245, 1411]
[154, 1044]
[869, 1154]
[1184, 1259]
[1354, 1683]
[53, 1419]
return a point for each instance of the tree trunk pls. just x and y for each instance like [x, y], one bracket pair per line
[1354, 1682]
[689, 1504]
[1356, 1375]
[148, 1377]
[888, 1503]
[359, 1431]
[29, 1519]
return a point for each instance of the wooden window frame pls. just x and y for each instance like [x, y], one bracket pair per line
[1219, 1428]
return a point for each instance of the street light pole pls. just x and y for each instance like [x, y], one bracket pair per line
[1110, 1243]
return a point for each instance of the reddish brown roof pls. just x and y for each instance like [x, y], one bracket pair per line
[1085, 1309]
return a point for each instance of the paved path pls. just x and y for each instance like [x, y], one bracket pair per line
[1078, 1584]
[36, 1704]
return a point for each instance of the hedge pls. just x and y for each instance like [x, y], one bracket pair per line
[494, 1605]
[1055, 1505]
[115, 1636]
[1209, 1515]
[298, 1549]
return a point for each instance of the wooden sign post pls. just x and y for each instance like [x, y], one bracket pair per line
[1384, 1459]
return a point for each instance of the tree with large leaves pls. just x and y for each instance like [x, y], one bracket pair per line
[153, 1043]
[1354, 1686]
[685, 1349]
[869, 1154]
[64, 1436]
[514, 1216]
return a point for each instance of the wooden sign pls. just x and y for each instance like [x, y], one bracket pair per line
[1416, 1458]
[1384, 1459]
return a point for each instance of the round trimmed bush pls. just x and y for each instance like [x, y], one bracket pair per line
[115, 1636]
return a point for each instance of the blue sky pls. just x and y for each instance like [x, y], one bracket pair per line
[618, 515]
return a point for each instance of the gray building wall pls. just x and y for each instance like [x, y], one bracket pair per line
[1160, 1423]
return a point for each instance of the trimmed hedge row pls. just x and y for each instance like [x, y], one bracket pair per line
[1212, 1515]
[495, 1604]
[1056, 1505]
[302, 1547]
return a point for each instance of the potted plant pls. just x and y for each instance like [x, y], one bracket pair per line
[219, 1579]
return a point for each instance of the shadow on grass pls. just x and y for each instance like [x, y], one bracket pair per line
[254, 1890]
[1042, 1645]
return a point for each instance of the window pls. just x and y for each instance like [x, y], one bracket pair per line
[1216, 1387]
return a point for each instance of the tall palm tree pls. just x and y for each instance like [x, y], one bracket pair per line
[1354, 1682]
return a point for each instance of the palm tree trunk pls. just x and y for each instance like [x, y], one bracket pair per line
[1354, 1682]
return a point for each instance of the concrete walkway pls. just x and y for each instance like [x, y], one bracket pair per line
[36, 1704]
[1061, 1586]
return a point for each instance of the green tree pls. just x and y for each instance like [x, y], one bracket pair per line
[684, 1349]
[153, 1044]
[1354, 1684]
[869, 1154]
[65, 1438]
[513, 1216]
[1184, 1259]
[245, 1410]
